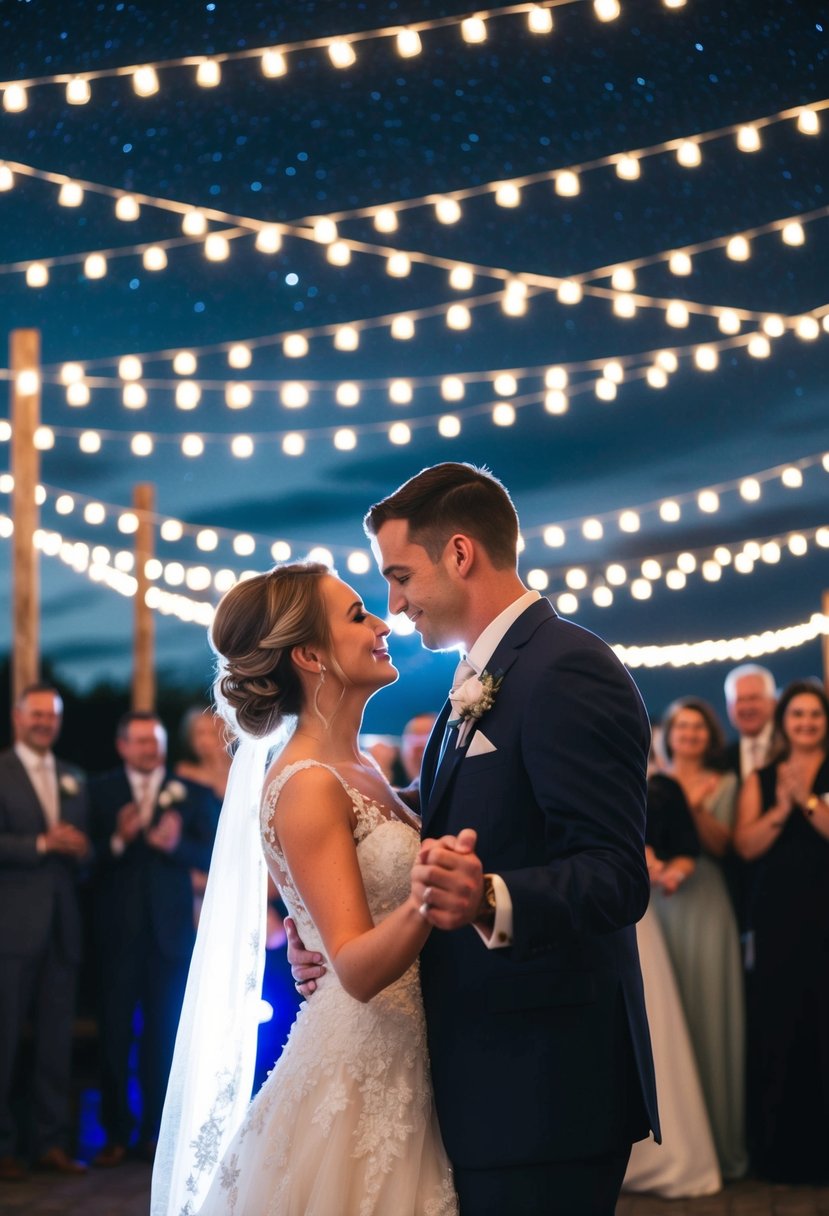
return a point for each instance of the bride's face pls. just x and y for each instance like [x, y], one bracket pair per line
[357, 637]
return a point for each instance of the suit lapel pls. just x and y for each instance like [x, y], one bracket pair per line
[506, 652]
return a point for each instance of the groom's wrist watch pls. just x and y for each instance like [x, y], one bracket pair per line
[487, 906]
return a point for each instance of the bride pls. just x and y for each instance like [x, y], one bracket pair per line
[345, 1121]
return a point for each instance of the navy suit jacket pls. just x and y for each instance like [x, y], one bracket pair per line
[145, 886]
[540, 1051]
[38, 891]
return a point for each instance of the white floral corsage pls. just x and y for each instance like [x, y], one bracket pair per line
[474, 697]
[173, 792]
[69, 785]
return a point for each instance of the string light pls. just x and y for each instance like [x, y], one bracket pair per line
[408, 44]
[145, 81]
[273, 64]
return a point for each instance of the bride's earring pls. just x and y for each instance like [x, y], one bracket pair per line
[317, 710]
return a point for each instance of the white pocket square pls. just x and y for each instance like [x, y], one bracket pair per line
[480, 745]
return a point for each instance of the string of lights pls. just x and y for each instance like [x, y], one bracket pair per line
[323, 230]
[274, 60]
[100, 567]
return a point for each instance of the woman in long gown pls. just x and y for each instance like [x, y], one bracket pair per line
[684, 1165]
[700, 929]
[783, 829]
[345, 1122]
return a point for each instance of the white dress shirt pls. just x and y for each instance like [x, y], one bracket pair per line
[479, 655]
[42, 773]
[754, 750]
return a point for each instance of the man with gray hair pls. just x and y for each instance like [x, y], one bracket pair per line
[750, 697]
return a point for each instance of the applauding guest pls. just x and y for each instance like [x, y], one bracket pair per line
[701, 931]
[783, 828]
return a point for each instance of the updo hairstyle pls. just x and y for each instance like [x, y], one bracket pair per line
[257, 624]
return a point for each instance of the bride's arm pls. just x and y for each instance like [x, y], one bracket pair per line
[313, 820]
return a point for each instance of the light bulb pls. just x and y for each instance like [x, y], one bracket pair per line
[793, 233]
[238, 396]
[89, 442]
[346, 337]
[503, 414]
[188, 395]
[241, 446]
[78, 91]
[341, 53]
[759, 346]
[569, 292]
[15, 99]
[669, 511]
[338, 253]
[706, 358]
[808, 122]
[629, 521]
[624, 305]
[400, 392]
[192, 446]
[347, 394]
[269, 239]
[458, 316]
[37, 275]
[194, 222]
[807, 328]
[239, 356]
[688, 154]
[473, 29]
[385, 220]
[408, 44]
[567, 184]
[452, 388]
[294, 396]
[750, 489]
[623, 279]
[679, 263]
[145, 81]
[539, 20]
[127, 208]
[748, 139]
[399, 433]
[77, 394]
[656, 377]
[605, 389]
[554, 536]
[449, 426]
[325, 230]
[507, 194]
[461, 278]
[447, 211]
[738, 249]
[134, 396]
[6, 177]
[792, 478]
[398, 265]
[70, 195]
[676, 314]
[592, 529]
[273, 64]
[402, 328]
[555, 401]
[728, 321]
[556, 377]
[154, 258]
[505, 385]
[607, 10]
[216, 247]
[209, 74]
[129, 367]
[345, 440]
[95, 266]
[667, 360]
[295, 346]
[708, 501]
[628, 168]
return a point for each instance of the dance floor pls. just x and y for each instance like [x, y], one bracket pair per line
[126, 1191]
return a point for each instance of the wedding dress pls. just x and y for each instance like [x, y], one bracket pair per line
[345, 1122]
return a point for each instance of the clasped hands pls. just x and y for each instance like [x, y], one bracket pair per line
[447, 887]
[163, 835]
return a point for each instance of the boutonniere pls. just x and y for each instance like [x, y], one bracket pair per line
[173, 792]
[69, 785]
[473, 698]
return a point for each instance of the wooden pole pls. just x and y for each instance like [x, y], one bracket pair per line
[24, 361]
[143, 665]
[825, 610]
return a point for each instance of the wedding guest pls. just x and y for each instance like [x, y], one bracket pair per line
[207, 764]
[43, 842]
[685, 1164]
[150, 830]
[413, 742]
[783, 829]
[750, 696]
[701, 931]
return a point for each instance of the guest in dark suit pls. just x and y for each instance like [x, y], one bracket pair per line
[150, 830]
[750, 698]
[43, 841]
[538, 1038]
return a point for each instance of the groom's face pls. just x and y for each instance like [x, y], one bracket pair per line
[423, 589]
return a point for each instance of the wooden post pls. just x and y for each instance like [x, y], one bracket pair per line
[825, 611]
[143, 663]
[24, 361]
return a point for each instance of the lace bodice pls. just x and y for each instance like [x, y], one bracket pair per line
[386, 850]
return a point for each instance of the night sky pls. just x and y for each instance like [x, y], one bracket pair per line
[320, 141]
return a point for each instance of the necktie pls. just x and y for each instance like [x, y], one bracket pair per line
[143, 799]
[47, 791]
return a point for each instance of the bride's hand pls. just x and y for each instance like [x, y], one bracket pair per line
[306, 965]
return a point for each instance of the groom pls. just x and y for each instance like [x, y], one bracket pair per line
[538, 1038]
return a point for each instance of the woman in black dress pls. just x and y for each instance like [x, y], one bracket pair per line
[783, 828]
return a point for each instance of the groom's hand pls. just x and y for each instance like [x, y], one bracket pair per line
[306, 965]
[447, 880]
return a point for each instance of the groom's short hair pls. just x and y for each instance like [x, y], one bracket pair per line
[448, 498]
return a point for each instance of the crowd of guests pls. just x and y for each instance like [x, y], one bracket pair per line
[734, 946]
